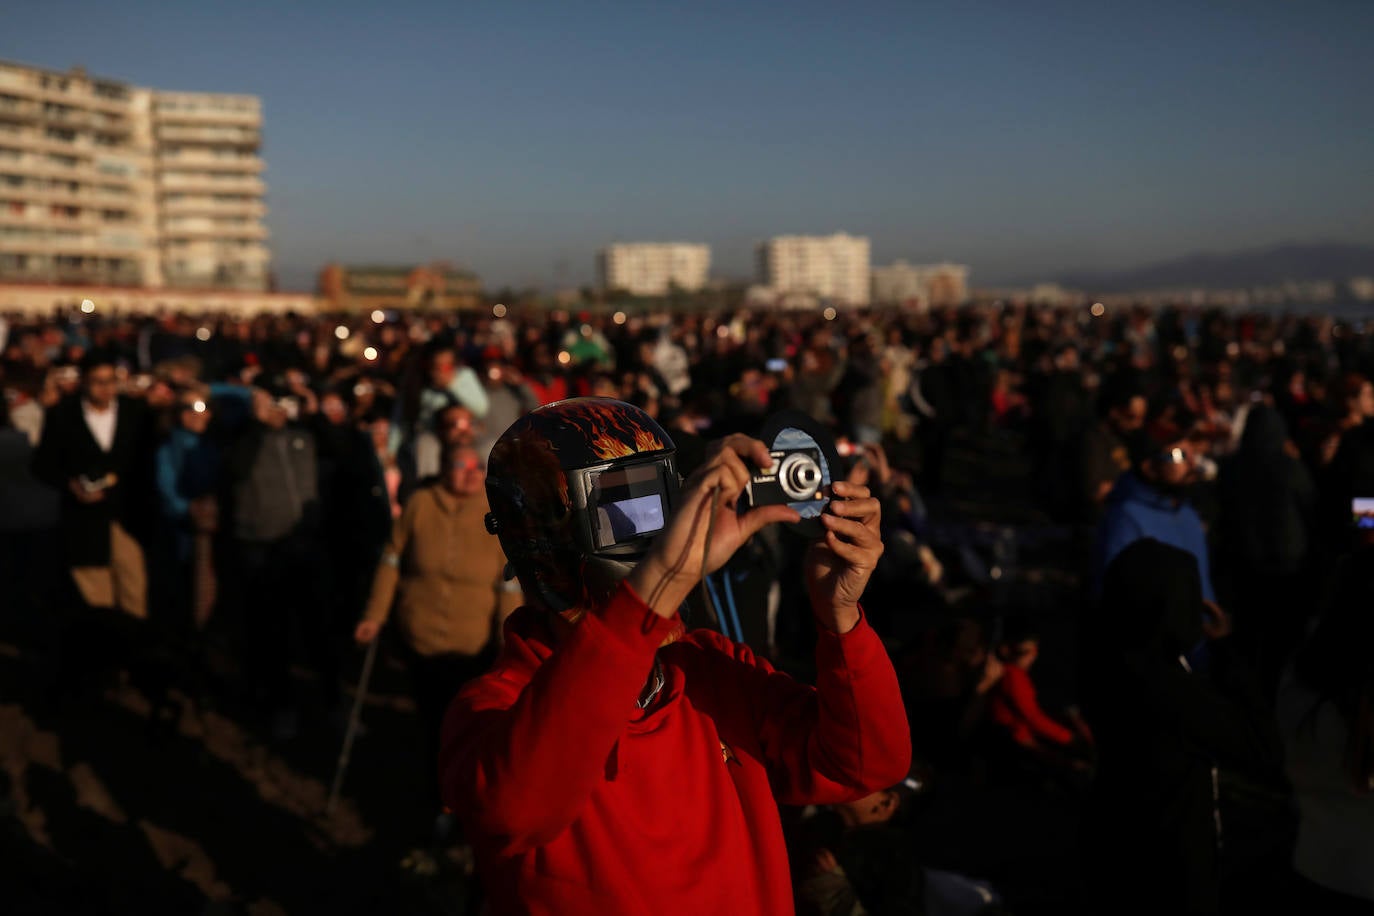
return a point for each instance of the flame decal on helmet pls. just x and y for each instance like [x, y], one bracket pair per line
[528, 487]
[612, 431]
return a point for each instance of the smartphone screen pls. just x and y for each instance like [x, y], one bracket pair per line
[1362, 511]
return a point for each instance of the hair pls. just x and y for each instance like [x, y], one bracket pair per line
[1118, 390]
[1019, 628]
[1352, 383]
[97, 357]
[1337, 665]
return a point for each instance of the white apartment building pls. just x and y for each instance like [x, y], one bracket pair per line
[923, 285]
[654, 268]
[831, 267]
[106, 183]
[210, 190]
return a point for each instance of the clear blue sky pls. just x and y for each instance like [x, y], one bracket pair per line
[517, 138]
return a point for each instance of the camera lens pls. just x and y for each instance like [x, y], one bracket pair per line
[799, 476]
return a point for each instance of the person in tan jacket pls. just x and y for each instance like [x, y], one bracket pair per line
[446, 578]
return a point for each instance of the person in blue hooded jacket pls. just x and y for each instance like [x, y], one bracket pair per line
[1151, 501]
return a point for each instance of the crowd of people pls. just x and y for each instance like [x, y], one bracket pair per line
[277, 490]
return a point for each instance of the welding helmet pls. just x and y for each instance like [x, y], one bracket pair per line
[578, 490]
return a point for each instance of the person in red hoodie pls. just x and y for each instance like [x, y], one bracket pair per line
[613, 762]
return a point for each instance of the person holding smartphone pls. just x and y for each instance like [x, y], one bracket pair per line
[97, 450]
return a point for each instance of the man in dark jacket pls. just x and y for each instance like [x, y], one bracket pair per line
[275, 490]
[1108, 445]
[97, 451]
[1165, 735]
[1268, 508]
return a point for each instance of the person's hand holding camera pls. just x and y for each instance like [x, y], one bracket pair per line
[839, 565]
[684, 551]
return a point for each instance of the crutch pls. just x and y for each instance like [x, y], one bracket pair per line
[353, 719]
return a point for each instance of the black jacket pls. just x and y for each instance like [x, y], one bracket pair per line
[1165, 734]
[1268, 501]
[68, 450]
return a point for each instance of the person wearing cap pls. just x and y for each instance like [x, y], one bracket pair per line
[612, 761]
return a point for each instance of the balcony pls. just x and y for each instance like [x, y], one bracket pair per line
[204, 183]
[209, 135]
[98, 275]
[252, 232]
[202, 116]
[81, 147]
[46, 244]
[70, 117]
[8, 218]
[19, 110]
[193, 161]
[81, 96]
[205, 207]
[223, 278]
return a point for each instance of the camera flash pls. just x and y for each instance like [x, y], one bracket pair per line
[198, 407]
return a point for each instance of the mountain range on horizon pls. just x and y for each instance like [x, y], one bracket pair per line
[1276, 264]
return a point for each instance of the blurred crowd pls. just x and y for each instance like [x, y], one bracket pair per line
[227, 506]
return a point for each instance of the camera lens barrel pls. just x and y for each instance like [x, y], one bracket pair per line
[799, 476]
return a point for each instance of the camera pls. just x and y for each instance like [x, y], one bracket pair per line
[795, 476]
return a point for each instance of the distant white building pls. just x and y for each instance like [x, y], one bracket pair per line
[1362, 288]
[924, 285]
[654, 268]
[830, 267]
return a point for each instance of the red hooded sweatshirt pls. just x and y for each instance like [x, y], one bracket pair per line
[576, 802]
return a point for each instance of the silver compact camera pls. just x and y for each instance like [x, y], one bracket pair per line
[795, 476]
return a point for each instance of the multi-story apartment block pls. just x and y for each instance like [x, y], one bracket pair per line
[923, 285]
[833, 267]
[210, 189]
[106, 183]
[654, 268]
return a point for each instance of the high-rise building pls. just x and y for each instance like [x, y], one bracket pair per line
[922, 285]
[102, 182]
[654, 268]
[833, 267]
[210, 189]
